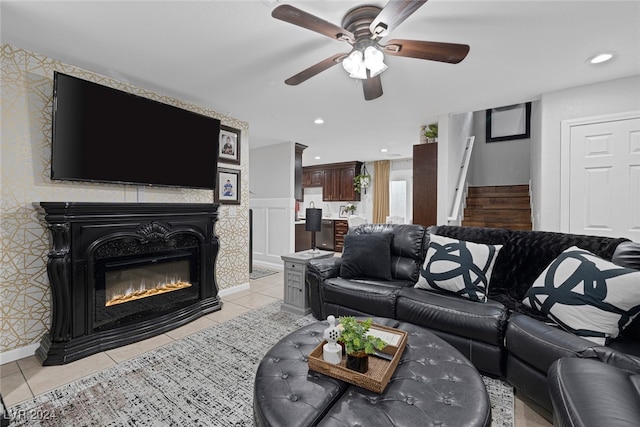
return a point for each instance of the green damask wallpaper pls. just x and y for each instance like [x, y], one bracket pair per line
[26, 92]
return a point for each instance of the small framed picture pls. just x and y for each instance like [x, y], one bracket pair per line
[228, 188]
[229, 145]
[509, 123]
[343, 213]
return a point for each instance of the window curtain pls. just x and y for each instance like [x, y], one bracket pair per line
[381, 170]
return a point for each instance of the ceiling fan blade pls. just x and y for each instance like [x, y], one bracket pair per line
[311, 22]
[393, 14]
[372, 87]
[315, 69]
[432, 51]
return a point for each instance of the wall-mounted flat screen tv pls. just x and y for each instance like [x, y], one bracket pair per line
[107, 135]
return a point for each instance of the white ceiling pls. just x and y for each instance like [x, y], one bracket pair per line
[233, 57]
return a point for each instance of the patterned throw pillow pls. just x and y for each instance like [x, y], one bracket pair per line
[587, 295]
[458, 266]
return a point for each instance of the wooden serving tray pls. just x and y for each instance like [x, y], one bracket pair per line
[380, 370]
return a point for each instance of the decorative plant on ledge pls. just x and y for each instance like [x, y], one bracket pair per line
[431, 133]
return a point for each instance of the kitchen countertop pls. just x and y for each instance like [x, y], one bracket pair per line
[302, 220]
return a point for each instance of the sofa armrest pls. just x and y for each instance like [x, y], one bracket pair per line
[587, 393]
[318, 271]
[616, 358]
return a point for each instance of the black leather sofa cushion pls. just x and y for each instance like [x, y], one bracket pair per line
[627, 254]
[377, 298]
[588, 393]
[484, 322]
[407, 247]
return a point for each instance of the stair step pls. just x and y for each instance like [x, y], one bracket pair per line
[519, 227]
[502, 215]
[498, 191]
[514, 202]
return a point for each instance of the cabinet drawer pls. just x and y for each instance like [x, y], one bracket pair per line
[295, 266]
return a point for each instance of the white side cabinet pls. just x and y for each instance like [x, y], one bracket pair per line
[296, 294]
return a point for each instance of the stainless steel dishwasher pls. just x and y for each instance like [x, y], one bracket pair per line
[324, 239]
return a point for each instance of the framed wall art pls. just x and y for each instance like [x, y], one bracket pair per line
[228, 188]
[229, 145]
[509, 123]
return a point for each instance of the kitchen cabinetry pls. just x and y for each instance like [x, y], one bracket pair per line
[303, 238]
[336, 180]
[341, 227]
[325, 238]
[312, 177]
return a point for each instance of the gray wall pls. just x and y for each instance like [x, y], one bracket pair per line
[500, 163]
[272, 171]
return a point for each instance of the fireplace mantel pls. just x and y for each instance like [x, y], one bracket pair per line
[80, 233]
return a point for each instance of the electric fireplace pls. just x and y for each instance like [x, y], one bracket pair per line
[122, 272]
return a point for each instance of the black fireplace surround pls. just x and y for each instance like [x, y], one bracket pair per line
[155, 260]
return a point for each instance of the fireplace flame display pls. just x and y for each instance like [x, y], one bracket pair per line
[141, 282]
[143, 293]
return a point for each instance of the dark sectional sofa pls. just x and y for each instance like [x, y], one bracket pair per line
[502, 337]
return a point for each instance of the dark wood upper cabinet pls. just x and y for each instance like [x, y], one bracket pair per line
[312, 177]
[425, 184]
[336, 180]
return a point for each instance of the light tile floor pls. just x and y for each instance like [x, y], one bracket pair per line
[26, 378]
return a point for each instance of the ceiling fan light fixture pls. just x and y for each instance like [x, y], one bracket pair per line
[354, 65]
[362, 59]
[374, 61]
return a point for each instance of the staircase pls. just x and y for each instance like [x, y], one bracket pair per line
[506, 206]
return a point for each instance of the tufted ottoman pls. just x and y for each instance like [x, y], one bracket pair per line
[433, 385]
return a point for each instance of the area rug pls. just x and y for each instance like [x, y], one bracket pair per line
[205, 379]
[260, 272]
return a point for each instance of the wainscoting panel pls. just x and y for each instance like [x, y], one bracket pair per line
[273, 230]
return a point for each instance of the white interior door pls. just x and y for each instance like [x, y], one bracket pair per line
[604, 177]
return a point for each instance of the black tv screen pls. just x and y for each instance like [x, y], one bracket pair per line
[106, 135]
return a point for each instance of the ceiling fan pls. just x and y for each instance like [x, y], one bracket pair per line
[362, 27]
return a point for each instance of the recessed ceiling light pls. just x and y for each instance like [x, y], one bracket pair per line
[318, 121]
[317, 158]
[600, 58]
[383, 150]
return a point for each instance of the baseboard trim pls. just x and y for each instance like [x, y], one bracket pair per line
[267, 264]
[233, 290]
[18, 353]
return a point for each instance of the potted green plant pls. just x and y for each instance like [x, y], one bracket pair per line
[431, 133]
[361, 182]
[357, 343]
[350, 208]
